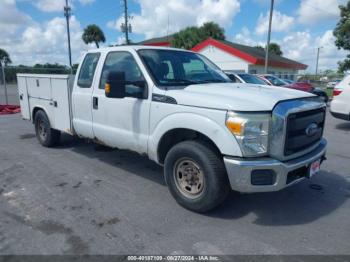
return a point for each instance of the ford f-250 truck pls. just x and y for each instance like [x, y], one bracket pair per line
[177, 107]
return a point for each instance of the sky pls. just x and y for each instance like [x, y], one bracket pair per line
[34, 31]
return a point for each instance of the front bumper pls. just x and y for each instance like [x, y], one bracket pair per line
[285, 173]
[340, 115]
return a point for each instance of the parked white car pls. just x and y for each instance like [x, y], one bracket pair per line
[184, 113]
[340, 105]
[332, 84]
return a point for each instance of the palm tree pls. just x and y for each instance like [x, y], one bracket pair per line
[4, 56]
[93, 34]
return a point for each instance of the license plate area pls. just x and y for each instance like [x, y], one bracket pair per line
[314, 168]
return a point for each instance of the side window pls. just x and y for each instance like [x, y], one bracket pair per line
[87, 70]
[123, 62]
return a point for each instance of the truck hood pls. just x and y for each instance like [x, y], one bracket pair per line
[233, 96]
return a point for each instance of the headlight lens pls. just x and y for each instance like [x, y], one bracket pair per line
[251, 131]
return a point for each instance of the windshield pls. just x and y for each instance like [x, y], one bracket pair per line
[176, 68]
[276, 81]
[251, 79]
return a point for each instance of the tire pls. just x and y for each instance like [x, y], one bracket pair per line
[47, 136]
[201, 158]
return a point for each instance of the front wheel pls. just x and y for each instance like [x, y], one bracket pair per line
[196, 176]
[46, 135]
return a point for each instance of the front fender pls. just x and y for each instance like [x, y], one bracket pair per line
[218, 134]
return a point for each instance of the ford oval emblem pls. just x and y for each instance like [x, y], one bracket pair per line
[311, 130]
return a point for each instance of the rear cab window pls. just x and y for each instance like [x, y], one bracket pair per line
[87, 70]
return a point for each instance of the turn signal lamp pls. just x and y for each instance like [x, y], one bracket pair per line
[107, 88]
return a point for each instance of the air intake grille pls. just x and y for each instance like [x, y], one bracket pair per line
[304, 129]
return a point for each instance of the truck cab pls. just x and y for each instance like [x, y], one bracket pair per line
[178, 108]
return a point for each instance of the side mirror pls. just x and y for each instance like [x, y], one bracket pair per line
[115, 85]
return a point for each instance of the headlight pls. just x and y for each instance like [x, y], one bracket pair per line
[251, 131]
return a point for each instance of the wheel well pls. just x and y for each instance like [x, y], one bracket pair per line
[35, 110]
[175, 136]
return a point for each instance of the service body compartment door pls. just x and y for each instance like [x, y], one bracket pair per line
[23, 97]
[39, 87]
[60, 102]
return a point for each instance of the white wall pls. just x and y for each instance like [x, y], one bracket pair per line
[227, 61]
[224, 60]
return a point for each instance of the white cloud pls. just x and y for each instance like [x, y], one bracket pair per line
[245, 37]
[302, 47]
[153, 19]
[11, 19]
[86, 2]
[57, 5]
[313, 11]
[49, 5]
[280, 23]
[47, 43]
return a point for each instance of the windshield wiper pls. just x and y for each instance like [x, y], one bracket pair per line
[213, 81]
[177, 80]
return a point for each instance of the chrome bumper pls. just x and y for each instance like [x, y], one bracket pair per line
[239, 171]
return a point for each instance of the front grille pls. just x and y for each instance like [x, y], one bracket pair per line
[297, 138]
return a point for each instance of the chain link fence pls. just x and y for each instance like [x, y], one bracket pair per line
[8, 80]
[9, 93]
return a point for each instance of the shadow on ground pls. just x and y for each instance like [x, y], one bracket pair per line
[123, 159]
[299, 204]
[343, 126]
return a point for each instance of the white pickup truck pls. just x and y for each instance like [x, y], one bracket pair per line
[177, 107]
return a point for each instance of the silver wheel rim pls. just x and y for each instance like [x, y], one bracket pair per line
[42, 130]
[189, 178]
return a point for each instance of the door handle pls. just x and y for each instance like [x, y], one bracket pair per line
[21, 97]
[53, 103]
[95, 102]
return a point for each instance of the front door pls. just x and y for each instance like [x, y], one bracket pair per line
[122, 123]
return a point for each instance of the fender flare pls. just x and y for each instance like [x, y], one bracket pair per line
[220, 136]
[39, 107]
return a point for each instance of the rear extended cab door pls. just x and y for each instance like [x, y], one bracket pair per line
[82, 94]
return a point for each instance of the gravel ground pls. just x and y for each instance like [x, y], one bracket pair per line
[80, 198]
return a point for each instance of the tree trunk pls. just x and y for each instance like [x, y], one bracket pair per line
[97, 45]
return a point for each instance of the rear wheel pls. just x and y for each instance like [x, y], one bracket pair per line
[196, 176]
[45, 134]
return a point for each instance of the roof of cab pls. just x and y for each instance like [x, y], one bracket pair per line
[135, 47]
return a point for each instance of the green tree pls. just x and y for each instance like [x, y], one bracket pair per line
[273, 49]
[93, 34]
[342, 35]
[4, 56]
[191, 36]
